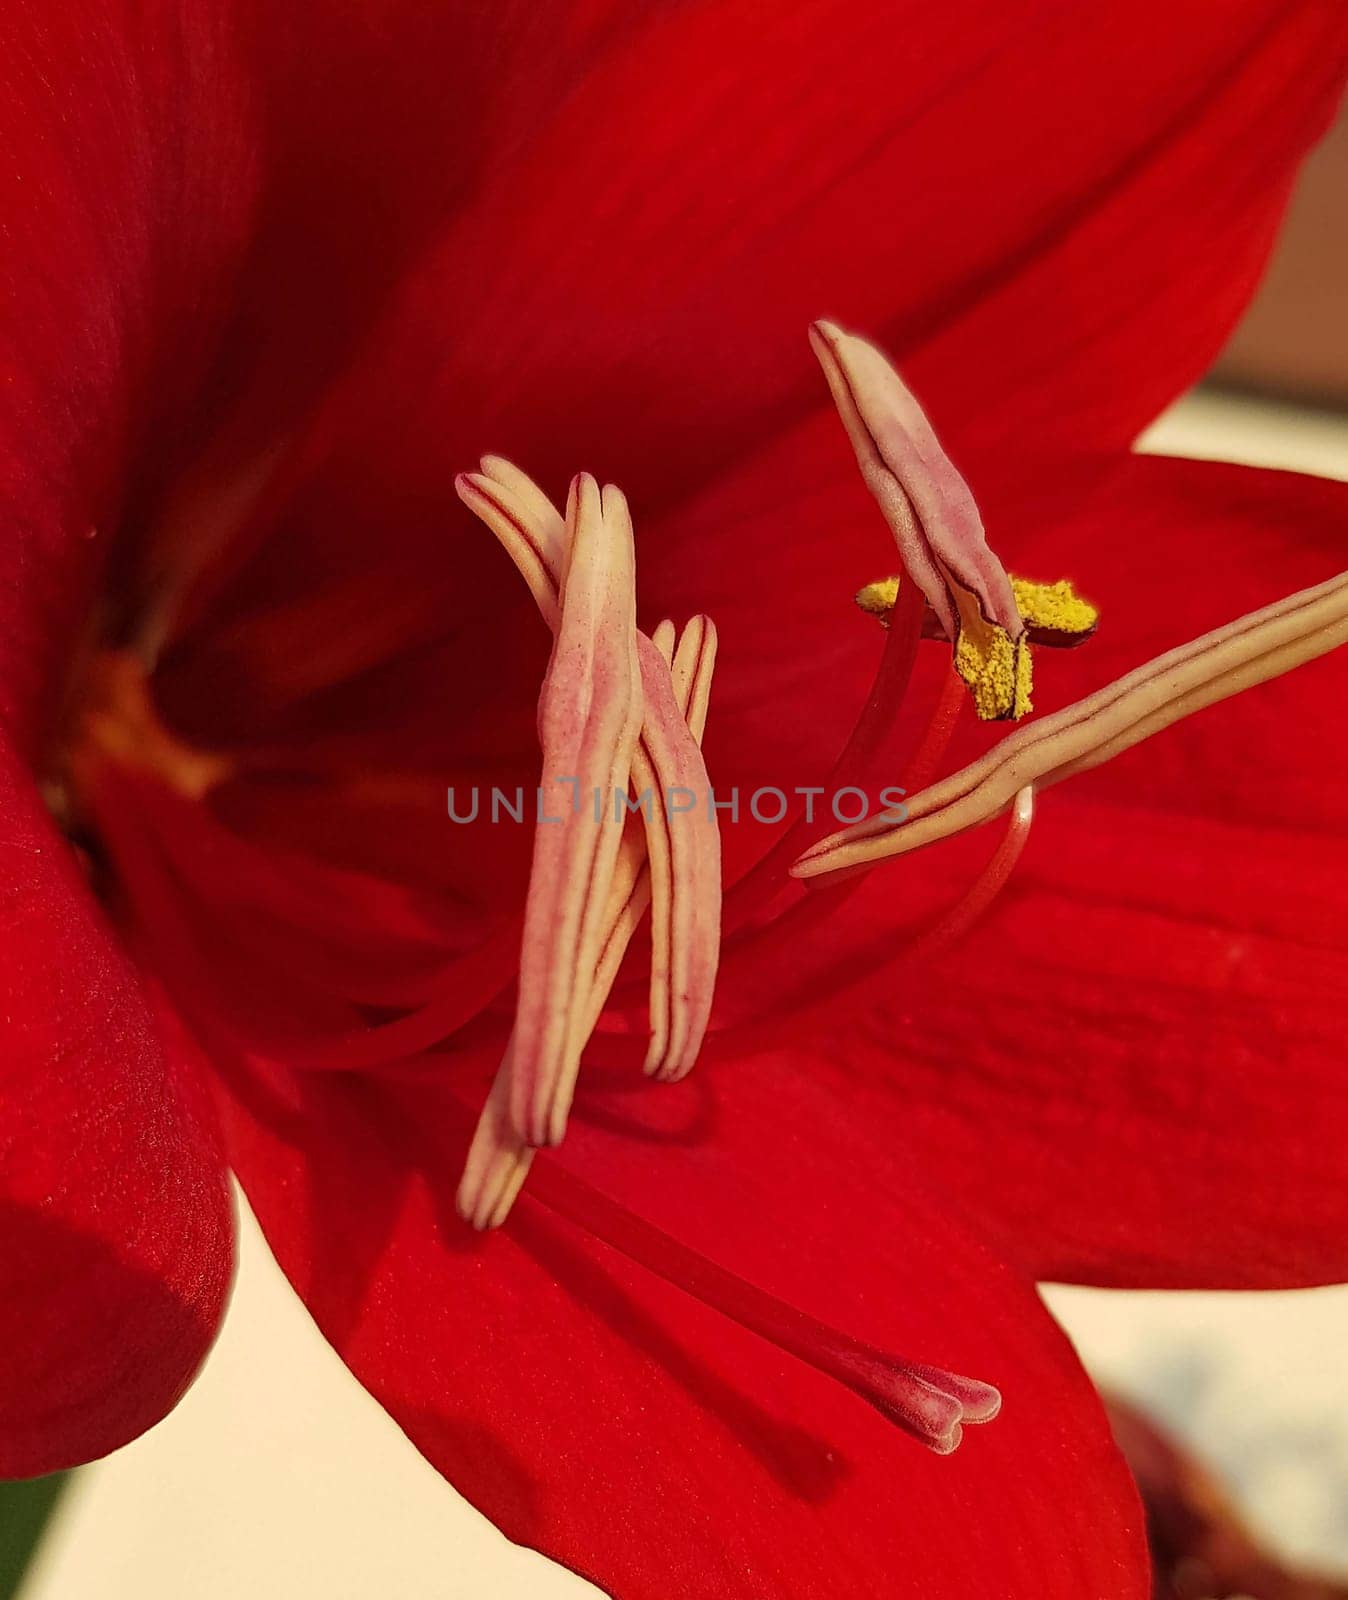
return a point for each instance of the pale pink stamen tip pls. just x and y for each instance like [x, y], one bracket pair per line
[494, 1175]
[497, 1163]
[930, 511]
[933, 1405]
[484, 1198]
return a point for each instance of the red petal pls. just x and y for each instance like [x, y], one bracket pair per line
[115, 1214]
[1054, 220]
[1122, 302]
[1133, 1065]
[124, 189]
[626, 1429]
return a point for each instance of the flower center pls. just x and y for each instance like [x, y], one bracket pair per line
[116, 722]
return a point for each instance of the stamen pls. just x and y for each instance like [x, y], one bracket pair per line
[691, 668]
[925, 1401]
[685, 873]
[674, 871]
[631, 891]
[628, 900]
[527, 524]
[499, 1159]
[933, 518]
[936, 740]
[973, 904]
[589, 718]
[1244, 653]
[470, 984]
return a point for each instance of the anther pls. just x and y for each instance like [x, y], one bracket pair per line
[589, 718]
[933, 518]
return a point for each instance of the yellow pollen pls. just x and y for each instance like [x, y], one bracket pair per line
[878, 599]
[1055, 607]
[995, 666]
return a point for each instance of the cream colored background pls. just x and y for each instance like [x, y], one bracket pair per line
[279, 1479]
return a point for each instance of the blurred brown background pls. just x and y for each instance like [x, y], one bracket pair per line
[1293, 342]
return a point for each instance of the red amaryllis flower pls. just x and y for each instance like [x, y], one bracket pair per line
[278, 279]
